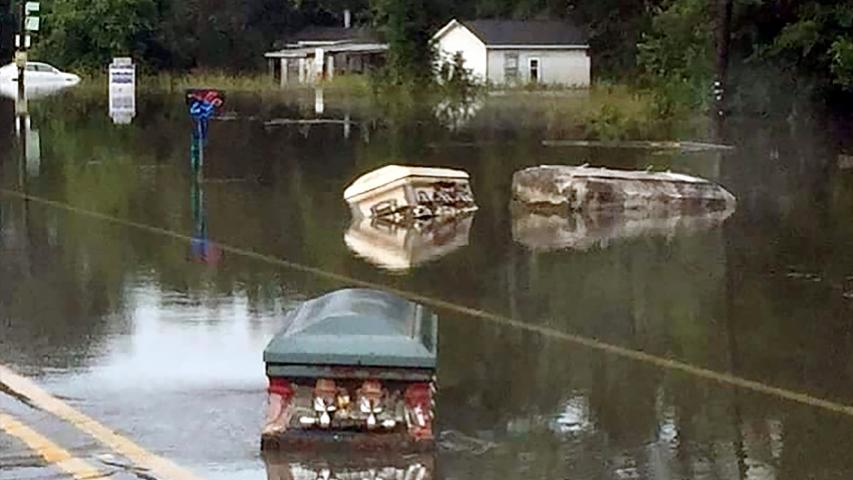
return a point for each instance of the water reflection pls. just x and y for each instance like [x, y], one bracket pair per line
[455, 114]
[83, 302]
[582, 231]
[30, 141]
[319, 101]
[349, 466]
[397, 247]
[202, 250]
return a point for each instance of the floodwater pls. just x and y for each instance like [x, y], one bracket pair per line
[160, 338]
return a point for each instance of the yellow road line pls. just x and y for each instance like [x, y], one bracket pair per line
[591, 343]
[156, 466]
[52, 453]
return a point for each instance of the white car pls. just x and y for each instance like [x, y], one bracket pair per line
[39, 79]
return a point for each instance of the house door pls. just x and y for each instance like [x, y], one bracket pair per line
[535, 73]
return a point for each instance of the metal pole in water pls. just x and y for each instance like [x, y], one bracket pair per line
[197, 207]
[196, 149]
[202, 134]
[23, 128]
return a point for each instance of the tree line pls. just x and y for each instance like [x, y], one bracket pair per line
[667, 42]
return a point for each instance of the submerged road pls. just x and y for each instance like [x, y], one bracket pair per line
[140, 463]
[54, 456]
[579, 340]
[153, 465]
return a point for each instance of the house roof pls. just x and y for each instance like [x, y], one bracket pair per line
[333, 34]
[358, 48]
[527, 32]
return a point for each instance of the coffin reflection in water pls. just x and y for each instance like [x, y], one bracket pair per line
[541, 231]
[399, 247]
[342, 466]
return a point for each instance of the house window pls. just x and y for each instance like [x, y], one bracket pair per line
[510, 67]
[535, 73]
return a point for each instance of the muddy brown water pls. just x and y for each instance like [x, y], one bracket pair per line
[161, 338]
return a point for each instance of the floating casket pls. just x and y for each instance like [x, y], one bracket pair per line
[354, 366]
[396, 247]
[405, 192]
[562, 188]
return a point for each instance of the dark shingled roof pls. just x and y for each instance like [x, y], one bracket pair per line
[527, 32]
[333, 34]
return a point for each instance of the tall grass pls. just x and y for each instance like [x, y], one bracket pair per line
[254, 83]
[605, 111]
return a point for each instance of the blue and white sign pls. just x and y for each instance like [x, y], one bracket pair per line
[122, 90]
[122, 72]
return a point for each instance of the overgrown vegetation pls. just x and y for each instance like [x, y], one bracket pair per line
[802, 46]
[456, 79]
[405, 26]
[676, 57]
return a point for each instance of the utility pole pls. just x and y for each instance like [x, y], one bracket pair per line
[21, 58]
[27, 23]
[723, 34]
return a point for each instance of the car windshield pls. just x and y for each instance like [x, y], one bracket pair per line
[41, 67]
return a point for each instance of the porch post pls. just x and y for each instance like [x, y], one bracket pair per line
[283, 79]
[331, 67]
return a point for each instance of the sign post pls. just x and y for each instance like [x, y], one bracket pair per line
[203, 104]
[122, 104]
[30, 22]
[319, 62]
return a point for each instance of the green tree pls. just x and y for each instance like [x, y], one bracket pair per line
[7, 22]
[814, 36]
[841, 66]
[222, 34]
[457, 79]
[406, 26]
[807, 44]
[676, 55]
[88, 33]
[616, 27]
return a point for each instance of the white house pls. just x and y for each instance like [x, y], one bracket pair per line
[518, 52]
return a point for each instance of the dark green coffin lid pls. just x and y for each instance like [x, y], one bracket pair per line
[357, 327]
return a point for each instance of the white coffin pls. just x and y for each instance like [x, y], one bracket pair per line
[404, 190]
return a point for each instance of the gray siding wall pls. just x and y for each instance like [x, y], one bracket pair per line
[563, 67]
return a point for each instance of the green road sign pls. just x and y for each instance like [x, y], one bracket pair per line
[32, 24]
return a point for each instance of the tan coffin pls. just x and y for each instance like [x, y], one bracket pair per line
[410, 192]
